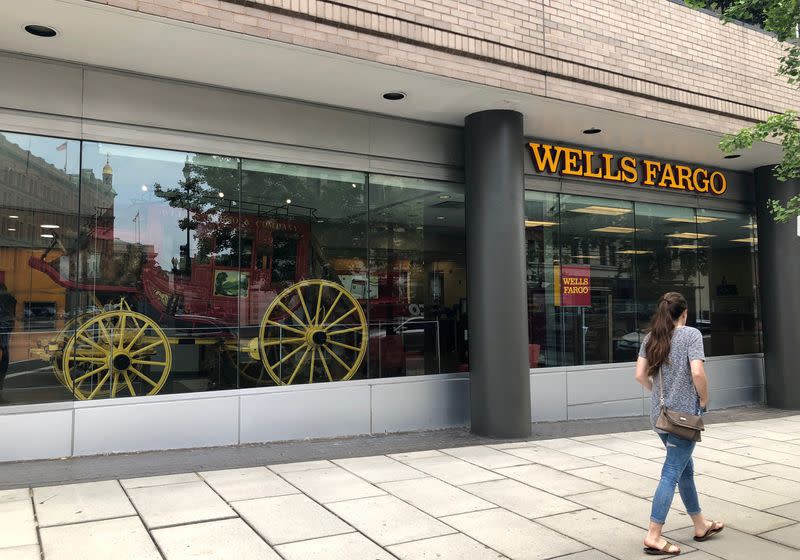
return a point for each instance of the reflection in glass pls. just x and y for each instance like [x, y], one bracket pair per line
[545, 331]
[729, 295]
[417, 290]
[39, 179]
[597, 250]
[672, 257]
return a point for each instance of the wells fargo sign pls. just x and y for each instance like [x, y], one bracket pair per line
[625, 169]
[573, 286]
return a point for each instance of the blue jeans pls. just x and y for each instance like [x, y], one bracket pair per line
[678, 470]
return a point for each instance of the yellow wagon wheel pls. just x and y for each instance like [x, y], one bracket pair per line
[59, 342]
[118, 353]
[313, 331]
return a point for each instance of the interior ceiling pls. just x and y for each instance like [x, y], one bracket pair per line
[116, 38]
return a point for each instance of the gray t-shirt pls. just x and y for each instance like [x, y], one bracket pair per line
[679, 391]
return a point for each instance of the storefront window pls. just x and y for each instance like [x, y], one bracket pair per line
[304, 318]
[730, 295]
[596, 276]
[418, 311]
[39, 179]
[545, 329]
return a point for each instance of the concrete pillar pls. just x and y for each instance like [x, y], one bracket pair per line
[496, 298]
[779, 274]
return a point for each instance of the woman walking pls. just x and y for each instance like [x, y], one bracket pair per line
[671, 359]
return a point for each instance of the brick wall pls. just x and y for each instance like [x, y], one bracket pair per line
[653, 58]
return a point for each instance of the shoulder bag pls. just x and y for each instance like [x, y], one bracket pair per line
[683, 425]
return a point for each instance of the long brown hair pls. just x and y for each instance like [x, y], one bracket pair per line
[669, 309]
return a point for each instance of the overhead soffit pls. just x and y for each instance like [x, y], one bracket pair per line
[121, 39]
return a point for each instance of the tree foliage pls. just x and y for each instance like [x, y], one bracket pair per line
[781, 17]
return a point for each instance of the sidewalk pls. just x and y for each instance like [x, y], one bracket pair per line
[582, 497]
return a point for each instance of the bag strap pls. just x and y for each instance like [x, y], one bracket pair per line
[661, 383]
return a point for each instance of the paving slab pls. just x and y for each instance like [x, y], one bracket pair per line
[550, 480]
[628, 508]
[284, 519]
[576, 448]
[99, 540]
[413, 455]
[723, 472]
[587, 555]
[736, 545]
[388, 520]
[14, 495]
[736, 516]
[710, 442]
[613, 477]
[76, 503]
[304, 466]
[520, 498]
[172, 504]
[247, 484]
[601, 532]
[789, 536]
[514, 536]
[163, 480]
[448, 547]
[780, 446]
[776, 485]
[337, 547]
[739, 493]
[379, 469]
[435, 497]
[17, 524]
[453, 470]
[201, 541]
[332, 484]
[729, 457]
[767, 455]
[636, 465]
[630, 447]
[27, 552]
[781, 471]
[791, 511]
[551, 458]
[486, 457]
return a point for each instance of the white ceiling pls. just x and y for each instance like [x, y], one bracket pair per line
[116, 38]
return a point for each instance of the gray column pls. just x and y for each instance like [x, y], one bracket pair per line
[779, 274]
[496, 300]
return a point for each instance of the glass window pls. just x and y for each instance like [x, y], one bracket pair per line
[597, 280]
[417, 286]
[671, 257]
[729, 296]
[304, 320]
[39, 179]
[545, 330]
[156, 315]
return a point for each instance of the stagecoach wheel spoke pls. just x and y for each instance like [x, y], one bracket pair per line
[342, 345]
[325, 364]
[120, 342]
[128, 383]
[336, 357]
[319, 303]
[334, 306]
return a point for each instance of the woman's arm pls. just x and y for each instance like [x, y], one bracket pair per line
[700, 381]
[641, 374]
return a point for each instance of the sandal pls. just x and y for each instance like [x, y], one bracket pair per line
[663, 551]
[716, 527]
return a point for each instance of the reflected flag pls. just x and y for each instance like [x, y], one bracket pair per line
[62, 147]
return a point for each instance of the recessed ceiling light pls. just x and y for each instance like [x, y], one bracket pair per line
[440, 217]
[585, 257]
[538, 223]
[355, 186]
[47, 235]
[751, 240]
[394, 95]
[634, 252]
[602, 210]
[615, 229]
[12, 229]
[688, 247]
[444, 197]
[221, 194]
[49, 226]
[41, 30]
[593, 130]
[749, 226]
[14, 217]
[419, 227]
[288, 201]
[733, 156]
[698, 219]
[689, 235]
[320, 220]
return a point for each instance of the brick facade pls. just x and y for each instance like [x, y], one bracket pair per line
[652, 58]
